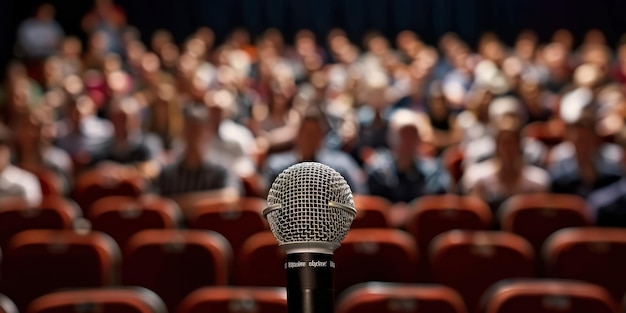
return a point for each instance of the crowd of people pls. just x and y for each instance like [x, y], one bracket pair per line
[200, 118]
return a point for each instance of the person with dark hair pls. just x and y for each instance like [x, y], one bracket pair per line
[309, 148]
[192, 172]
[15, 182]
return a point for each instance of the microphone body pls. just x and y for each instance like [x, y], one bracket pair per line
[310, 210]
[310, 282]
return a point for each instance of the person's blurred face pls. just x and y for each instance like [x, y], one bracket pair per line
[30, 131]
[84, 107]
[309, 138]
[508, 147]
[376, 98]
[585, 139]
[405, 141]
[196, 134]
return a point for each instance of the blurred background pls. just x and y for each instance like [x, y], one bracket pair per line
[483, 142]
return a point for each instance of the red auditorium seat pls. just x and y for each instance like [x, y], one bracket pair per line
[173, 263]
[471, 261]
[236, 221]
[40, 261]
[436, 214]
[103, 300]
[235, 299]
[596, 255]
[548, 296]
[378, 297]
[371, 212]
[6, 305]
[452, 159]
[51, 182]
[537, 216]
[99, 183]
[55, 212]
[375, 254]
[267, 268]
[123, 216]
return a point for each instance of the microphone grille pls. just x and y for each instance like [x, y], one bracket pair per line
[310, 202]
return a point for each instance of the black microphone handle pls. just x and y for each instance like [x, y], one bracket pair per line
[310, 282]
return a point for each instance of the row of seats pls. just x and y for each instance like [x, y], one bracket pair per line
[532, 216]
[515, 296]
[173, 263]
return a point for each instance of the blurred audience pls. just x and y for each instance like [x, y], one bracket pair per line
[203, 118]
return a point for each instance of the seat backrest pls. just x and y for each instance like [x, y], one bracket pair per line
[452, 159]
[548, 296]
[436, 214]
[471, 261]
[121, 216]
[537, 216]
[375, 254]
[371, 212]
[51, 182]
[7, 305]
[39, 261]
[235, 299]
[236, 221]
[173, 263]
[260, 262]
[376, 297]
[55, 212]
[596, 255]
[101, 300]
[97, 183]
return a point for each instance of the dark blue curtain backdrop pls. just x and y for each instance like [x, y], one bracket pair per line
[430, 18]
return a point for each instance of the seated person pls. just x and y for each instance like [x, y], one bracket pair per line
[506, 174]
[130, 144]
[582, 163]
[309, 147]
[481, 145]
[400, 174]
[192, 172]
[82, 134]
[33, 145]
[15, 182]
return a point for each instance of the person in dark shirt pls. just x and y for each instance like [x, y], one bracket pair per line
[309, 148]
[130, 144]
[192, 173]
[400, 174]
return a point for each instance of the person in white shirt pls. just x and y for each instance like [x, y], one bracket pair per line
[15, 182]
[507, 173]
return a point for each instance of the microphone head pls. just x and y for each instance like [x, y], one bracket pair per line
[310, 208]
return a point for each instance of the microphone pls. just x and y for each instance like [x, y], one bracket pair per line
[310, 210]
